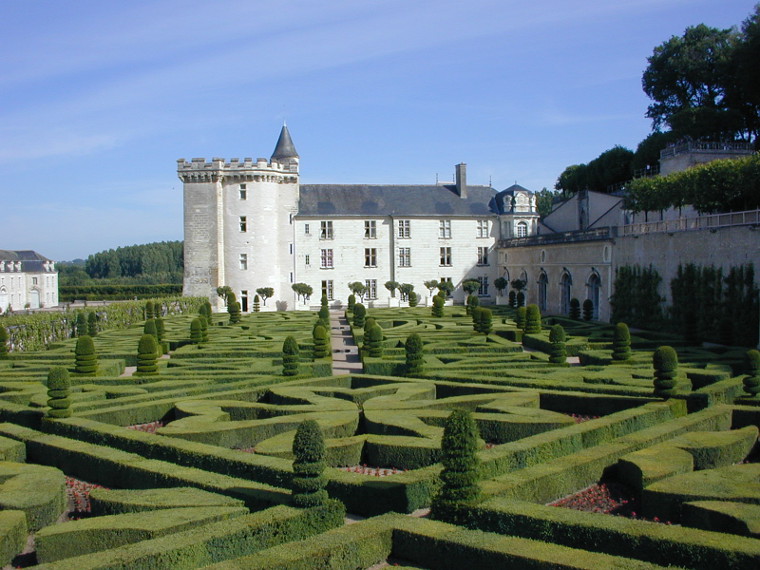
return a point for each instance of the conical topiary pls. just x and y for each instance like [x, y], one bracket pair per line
[160, 329]
[92, 323]
[512, 299]
[81, 324]
[752, 370]
[290, 357]
[486, 321]
[621, 342]
[665, 362]
[321, 342]
[351, 302]
[150, 328]
[359, 314]
[475, 314]
[196, 332]
[414, 355]
[149, 310]
[324, 317]
[86, 361]
[59, 389]
[532, 319]
[147, 354]
[438, 303]
[472, 301]
[374, 342]
[204, 328]
[575, 309]
[520, 317]
[459, 477]
[309, 481]
[4, 350]
[256, 304]
[413, 299]
[588, 310]
[520, 300]
[558, 354]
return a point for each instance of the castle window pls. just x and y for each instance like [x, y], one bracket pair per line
[522, 229]
[325, 230]
[404, 257]
[34, 281]
[243, 224]
[444, 229]
[370, 257]
[243, 192]
[307, 259]
[326, 259]
[404, 229]
[483, 285]
[243, 261]
[482, 256]
[482, 228]
[445, 256]
[371, 285]
[327, 289]
[306, 229]
[370, 229]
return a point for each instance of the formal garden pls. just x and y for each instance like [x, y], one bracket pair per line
[160, 435]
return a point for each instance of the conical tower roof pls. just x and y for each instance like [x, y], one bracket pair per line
[285, 148]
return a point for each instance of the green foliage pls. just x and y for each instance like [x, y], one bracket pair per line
[256, 304]
[150, 328]
[500, 283]
[302, 290]
[324, 301]
[290, 357]
[59, 388]
[100, 291]
[558, 354]
[414, 355]
[309, 481]
[196, 331]
[470, 286]
[572, 180]
[92, 323]
[472, 302]
[392, 286]
[149, 313]
[665, 363]
[413, 299]
[431, 285]
[86, 361]
[405, 289]
[588, 310]
[265, 293]
[359, 314]
[324, 316]
[160, 329]
[3, 343]
[532, 319]
[438, 303]
[545, 199]
[233, 308]
[351, 302]
[81, 324]
[204, 328]
[513, 299]
[485, 321]
[161, 259]
[520, 317]
[636, 300]
[374, 341]
[459, 477]
[358, 288]
[520, 299]
[321, 342]
[147, 354]
[621, 342]
[446, 287]
[575, 309]
[752, 370]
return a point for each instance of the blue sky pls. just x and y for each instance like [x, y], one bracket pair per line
[99, 99]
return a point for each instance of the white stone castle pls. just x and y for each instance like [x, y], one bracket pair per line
[27, 280]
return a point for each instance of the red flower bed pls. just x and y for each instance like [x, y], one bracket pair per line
[372, 471]
[607, 498]
[78, 493]
[149, 427]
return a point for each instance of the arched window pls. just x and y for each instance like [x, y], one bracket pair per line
[543, 283]
[522, 229]
[594, 287]
[566, 291]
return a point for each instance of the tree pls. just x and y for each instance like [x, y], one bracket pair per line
[520, 298]
[290, 357]
[3, 343]
[500, 283]
[147, 355]
[233, 308]
[196, 333]
[431, 285]
[359, 313]
[59, 389]
[375, 341]
[224, 292]
[256, 304]
[85, 359]
[545, 202]
[149, 310]
[160, 329]
[302, 290]
[392, 286]
[438, 303]
[359, 289]
[405, 289]
[752, 370]
[472, 302]
[513, 299]
[446, 287]
[413, 299]
[621, 342]
[321, 342]
[351, 302]
[647, 155]
[558, 353]
[81, 324]
[520, 315]
[588, 309]
[204, 328]
[459, 477]
[745, 91]
[309, 481]
[532, 319]
[150, 328]
[265, 293]
[609, 169]
[470, 286]
[572, 180]
[324, 316]
[575, 309]
[482, 320]
[665, 363]
[414, 355]
[92, 323]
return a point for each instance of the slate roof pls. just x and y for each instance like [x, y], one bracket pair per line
[394, 200]
[284, 147]
[31, 261]
[504, 198]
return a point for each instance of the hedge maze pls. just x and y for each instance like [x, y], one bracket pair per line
[579, 463]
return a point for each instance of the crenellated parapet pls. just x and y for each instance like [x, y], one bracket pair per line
[236, 170]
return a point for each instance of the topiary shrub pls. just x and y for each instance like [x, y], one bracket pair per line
[233, 308]
[520, 299]
[85, 359]
[472, 301]
[558, 353]
[256, 304]
[59, 389]
[374, 341]
[321, 341]
[204, 328]
[160, 328]
[413, 299]
[290, 359]
[532, 319]
[351, 302]
[324, 301]
[4, 350]
[81, 324]
[665, 362]
[196, 331]
[459, 477]
[414, 356]
[475, 314]
[513, 299]
[520, 317]
[309, 482]
[205, 310]
[752, 369]
[149, 310]
[147, 355]
[359, 314]
[92, 323]
[588, 310]
[621, 342]
[150, 328]
[324, 317]
[438, 303]
[482, 320]
[575, 309]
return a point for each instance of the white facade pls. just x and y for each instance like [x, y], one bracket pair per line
[27, 280]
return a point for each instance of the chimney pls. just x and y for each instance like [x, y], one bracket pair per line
[461, 179]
